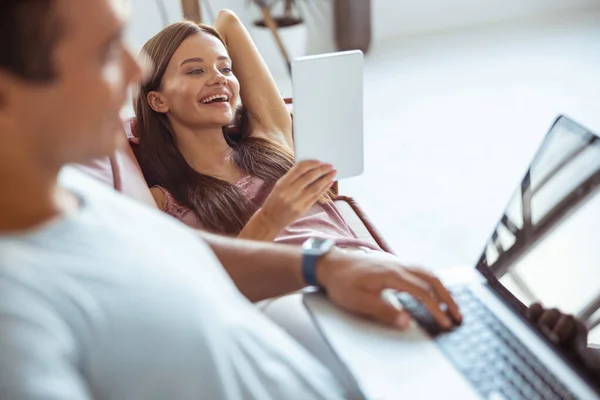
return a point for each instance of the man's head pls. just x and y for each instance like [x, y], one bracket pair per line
[64, 74]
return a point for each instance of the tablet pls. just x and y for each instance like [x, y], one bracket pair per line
[328, 110]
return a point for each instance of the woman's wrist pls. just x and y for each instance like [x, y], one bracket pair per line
[260, 227]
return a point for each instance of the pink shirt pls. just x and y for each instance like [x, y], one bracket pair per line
[321, 220]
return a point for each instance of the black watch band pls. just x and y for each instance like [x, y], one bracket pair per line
[312, 250]
[309, 269]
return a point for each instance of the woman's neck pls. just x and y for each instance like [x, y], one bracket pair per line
[206, 151]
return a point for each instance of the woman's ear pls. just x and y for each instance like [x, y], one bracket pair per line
[157, 102]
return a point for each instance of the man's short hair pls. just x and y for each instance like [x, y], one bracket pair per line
[29, 30]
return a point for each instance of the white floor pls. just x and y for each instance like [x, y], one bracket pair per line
[451, 121]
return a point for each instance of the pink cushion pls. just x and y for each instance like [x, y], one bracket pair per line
[121, 171]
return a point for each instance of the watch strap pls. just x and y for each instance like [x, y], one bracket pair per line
[309, 267]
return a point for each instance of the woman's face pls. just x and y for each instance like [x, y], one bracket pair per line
[198, 88]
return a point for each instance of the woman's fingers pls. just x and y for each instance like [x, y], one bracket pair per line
[298, 190]
[297, 171]
[312, 181]
[311, 194]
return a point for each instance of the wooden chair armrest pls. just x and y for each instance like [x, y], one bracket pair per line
[374, 232]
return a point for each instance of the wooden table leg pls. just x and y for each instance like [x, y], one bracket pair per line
[192, 10]
[272, 25]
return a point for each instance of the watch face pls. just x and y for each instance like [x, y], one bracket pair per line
[315, 243]
[318, 245]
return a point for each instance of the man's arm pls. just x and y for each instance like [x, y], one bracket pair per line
[262, 270]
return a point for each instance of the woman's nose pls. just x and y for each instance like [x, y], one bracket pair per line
[217, 78]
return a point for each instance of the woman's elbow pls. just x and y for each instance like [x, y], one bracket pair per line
[226, 17]
[159, 198]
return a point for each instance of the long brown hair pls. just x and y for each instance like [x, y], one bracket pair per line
[220, 206]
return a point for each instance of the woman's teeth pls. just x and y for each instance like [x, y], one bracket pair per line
[220, 97]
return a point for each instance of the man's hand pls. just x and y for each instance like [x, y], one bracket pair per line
[355, 282]
[565, 331]
[561, 329]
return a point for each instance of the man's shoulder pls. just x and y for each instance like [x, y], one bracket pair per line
[79, 182]
[119, 209]
[104, 196]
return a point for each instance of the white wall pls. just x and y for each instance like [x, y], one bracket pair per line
[315, 37]
[389, 17]
[399, 17]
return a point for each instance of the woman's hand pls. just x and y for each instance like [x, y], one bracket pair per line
[293, 194]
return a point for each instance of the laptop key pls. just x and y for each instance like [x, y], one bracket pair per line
[527, 390]
[481, 377]
[514, 377]
[548, 394]
[534, 396]
[511, 393]
[561, 391]
[537, 383]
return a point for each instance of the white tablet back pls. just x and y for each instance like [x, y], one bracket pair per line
[328, 110]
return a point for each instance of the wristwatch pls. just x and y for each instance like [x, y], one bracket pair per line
[312, 250]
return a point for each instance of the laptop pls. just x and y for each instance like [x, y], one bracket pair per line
[545, 249]
[328, 110]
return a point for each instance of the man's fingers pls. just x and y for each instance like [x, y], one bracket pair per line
[558, 327]
[379, 309]
[534, 312]
[422, 291]
[549, 319]
[564, 328]
[441, 292]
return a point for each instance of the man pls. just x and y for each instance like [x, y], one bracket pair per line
[103, 298]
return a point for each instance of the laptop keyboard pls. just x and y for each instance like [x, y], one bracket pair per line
[487, 353]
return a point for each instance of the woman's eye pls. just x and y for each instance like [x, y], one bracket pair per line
[227, 70]
[195, 72]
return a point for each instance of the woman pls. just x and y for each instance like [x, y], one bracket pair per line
[240, 183]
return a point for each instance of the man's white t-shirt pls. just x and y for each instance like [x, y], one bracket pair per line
[118, 301]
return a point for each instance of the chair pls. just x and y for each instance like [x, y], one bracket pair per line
[122, 172]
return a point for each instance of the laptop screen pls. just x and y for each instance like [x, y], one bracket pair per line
[546, 247]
